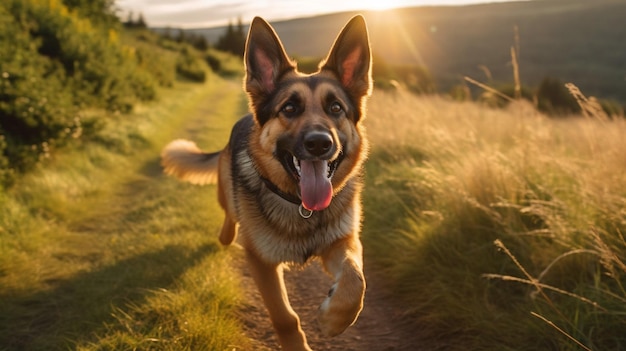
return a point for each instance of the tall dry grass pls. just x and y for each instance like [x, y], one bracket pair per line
[486, 220]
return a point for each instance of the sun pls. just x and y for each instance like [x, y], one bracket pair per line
[377, 5]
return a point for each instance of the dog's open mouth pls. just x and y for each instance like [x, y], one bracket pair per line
[314, 178]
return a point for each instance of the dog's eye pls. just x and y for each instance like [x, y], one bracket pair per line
[289, 109]
[335, 108]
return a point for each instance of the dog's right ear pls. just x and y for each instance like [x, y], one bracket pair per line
[350, 58]
[265, 60]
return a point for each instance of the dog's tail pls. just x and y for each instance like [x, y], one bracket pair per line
[184, 160]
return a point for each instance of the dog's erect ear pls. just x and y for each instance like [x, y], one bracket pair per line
[265, 59]
[350, 58]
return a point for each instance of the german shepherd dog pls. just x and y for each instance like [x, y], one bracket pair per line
[290, 178]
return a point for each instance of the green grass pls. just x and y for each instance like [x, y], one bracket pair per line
[99, 251]
[456, 177]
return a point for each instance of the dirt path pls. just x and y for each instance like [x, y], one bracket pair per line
[379, 328]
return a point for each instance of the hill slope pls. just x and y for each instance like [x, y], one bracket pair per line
[574, 40]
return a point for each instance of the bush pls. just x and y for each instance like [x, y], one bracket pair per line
[98, 11]
[6, 173]
[36, 108]
[153, 55]
[460, 92]
[95, 62]
[54, 63]
[61, 57]
[553, 98]
[612, 108]
[416, 78]
[492, 99]
[190, 67]
[308, 64]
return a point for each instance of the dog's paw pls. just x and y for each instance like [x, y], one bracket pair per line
[342, 307]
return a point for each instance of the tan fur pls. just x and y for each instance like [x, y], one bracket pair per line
[267, 222]
[184, 160]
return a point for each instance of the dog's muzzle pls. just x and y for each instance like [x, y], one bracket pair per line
[312, 162]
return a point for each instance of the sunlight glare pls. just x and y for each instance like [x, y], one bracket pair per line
[376, 5]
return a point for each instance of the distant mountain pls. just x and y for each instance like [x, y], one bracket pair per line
[582, 41]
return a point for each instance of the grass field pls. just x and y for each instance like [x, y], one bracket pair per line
[478, 217]
[492, 224]
[99, 251]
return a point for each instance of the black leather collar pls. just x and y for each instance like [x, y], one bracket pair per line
[285, 196]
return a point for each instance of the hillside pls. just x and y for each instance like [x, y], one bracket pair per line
[69, 66]
[574, 40]
[100, 251]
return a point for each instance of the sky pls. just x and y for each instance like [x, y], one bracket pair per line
[213, 13]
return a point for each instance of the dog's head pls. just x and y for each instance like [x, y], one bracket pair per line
[310, 139]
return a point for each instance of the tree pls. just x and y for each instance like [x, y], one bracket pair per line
[181, 37]
[132, 23]
[141, 22]
[130, 20]
[199, 42]
[234, 40]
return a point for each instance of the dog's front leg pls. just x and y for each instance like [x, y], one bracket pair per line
[271, 285]
[344, 261]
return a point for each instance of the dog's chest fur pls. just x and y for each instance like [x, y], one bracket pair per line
[274, 225]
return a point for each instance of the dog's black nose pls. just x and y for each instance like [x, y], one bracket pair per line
[318, 143]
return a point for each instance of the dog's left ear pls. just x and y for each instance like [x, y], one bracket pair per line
[265, 59]
[350, 58]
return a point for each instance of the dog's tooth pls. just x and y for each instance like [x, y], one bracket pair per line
[296, 163]
[331, 169]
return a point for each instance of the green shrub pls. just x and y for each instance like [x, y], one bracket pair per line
[100, 68]
[213, 62]
[308, 64]
[417, 79]
[553, 98]
[56, 62]
[6, 174]
[223, 63]
[492, 99]
[98, 11]
[460, 92]
[37, 110]
[152, 56]
[612, 108]
[190, 66]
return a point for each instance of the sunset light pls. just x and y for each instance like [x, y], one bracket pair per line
[209, 13]
[312, 175]
[376, 5]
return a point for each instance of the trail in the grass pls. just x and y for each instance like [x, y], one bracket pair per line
[380, 326]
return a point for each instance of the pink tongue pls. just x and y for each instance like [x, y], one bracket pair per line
[315, 187]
